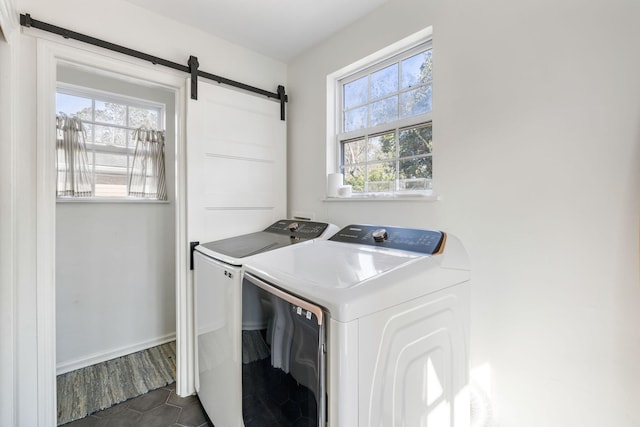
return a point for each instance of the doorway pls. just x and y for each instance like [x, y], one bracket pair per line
[52, 59]
[115, 269]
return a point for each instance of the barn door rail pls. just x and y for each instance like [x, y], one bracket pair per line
[191, 68]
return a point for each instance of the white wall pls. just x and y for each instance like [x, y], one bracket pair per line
[119, 22]
[115, 280]
[115, 262]
[537, 160]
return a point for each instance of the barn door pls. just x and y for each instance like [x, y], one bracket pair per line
[236, 184]
[236, 163]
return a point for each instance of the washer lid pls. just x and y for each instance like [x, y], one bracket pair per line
[279, 234]
[246, 245]
[334, 265]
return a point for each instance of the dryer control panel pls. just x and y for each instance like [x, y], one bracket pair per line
[407, 239]
[298, 229]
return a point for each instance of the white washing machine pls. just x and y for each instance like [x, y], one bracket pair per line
[369, 328]
[218, 316]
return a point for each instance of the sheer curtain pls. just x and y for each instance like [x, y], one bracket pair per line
[147, 176]
[74, 177]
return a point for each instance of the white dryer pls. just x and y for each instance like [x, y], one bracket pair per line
[219, 318]
[369, 328]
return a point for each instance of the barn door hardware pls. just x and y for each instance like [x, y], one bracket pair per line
[192, 68]
[192, 247]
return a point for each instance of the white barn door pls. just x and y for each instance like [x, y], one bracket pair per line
[236, 163]
[236, 179]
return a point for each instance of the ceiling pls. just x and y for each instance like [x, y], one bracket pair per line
[281, 29]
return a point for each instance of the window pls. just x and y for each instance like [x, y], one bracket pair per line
[384, 126]
[109, 123]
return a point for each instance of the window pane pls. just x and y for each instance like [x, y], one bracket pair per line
[74, 105]
[103, 135]
[355, 93]
[88, 129]
[416, 168]
[354, 176]
[120, 137]
[355, 119]
[381, 177]
[354, 152]
[382, 147]
[384, 82]
[417, 69]
[415, 184]
[108, 112]
[416, 101]
[384, 111]
[113, 161]
[110, 136]
[416, 141]
[142, 117]
[111, 185]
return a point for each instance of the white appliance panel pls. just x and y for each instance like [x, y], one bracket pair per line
[218, 310]
[342, 373]
[412, 363]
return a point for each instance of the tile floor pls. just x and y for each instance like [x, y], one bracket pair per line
[158, 408]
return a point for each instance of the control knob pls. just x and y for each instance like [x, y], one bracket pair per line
[380, 235]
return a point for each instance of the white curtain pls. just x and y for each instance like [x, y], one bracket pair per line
[74, 177]
[147, 176]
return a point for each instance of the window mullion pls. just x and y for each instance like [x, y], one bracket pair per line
[397, 159]
[126, 144]
[366, 177]
[397, 131]
[369, 101]
[93, 150]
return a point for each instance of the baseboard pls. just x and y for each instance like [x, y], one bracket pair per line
[103, 356]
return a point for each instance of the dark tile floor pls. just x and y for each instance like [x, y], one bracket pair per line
[158, 408]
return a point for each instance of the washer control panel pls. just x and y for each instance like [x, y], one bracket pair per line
[298, 229]
[407, 239]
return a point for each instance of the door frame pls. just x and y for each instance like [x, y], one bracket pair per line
[8, 272]
[49, 55]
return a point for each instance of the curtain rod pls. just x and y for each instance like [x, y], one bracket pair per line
[191, 68]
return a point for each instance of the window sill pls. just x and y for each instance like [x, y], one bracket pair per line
[124, 200]
[377, 197]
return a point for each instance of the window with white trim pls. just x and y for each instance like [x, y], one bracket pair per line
[384, 125]
[109, 122]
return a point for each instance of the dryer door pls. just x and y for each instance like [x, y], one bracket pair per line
[217, 302]
[283, 358]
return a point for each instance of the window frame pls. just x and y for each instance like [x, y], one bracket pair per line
[396, 53]
[96, 95]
